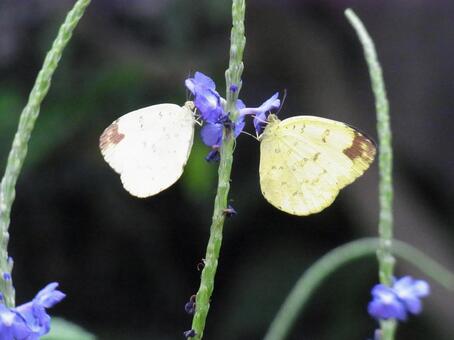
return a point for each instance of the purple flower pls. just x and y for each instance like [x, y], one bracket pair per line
[240, 122]
[207, 100]
[260, 112]
[213, 155]
[396, 301]
[189, 307]
[230, 211]
[209, 104]
[199, 81]
[212, 133]
[212, 110]
[30, 320]
[233, 88]
[12, 325]
[409, 291]
[189, 334]
[385, 304]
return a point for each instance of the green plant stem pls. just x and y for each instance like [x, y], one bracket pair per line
[233, 77]
[214, 243]
[238, 41]
[19, 147]
[326, 265]
[385, 225]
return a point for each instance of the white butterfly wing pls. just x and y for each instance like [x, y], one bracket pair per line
[149, 147]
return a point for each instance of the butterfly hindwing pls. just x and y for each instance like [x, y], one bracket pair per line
[149, 147]
[306, 160]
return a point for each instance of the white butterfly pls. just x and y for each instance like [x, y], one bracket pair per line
[149, 147]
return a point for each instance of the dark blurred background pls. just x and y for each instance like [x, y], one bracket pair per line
[128, 265]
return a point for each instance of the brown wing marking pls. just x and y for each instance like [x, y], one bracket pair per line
[110, 136]
[361, 147]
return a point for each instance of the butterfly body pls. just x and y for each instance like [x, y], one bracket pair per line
[149, 147]
[306, 160]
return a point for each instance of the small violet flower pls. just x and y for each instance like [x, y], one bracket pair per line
[230, 211]
[207, 99]
[397, 301]
[213, 155]
[30, 320]
[409, 291]
[385, 304]
[212, 110]
[189, 307]
[189, 334]
[272, 103]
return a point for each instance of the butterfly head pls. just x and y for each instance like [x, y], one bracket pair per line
[189, 105]
[272, 118]
[271, 125]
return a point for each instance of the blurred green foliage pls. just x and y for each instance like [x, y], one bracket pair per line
[199, 178]
[64, 330]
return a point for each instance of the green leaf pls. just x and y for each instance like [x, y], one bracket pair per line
[65, 330]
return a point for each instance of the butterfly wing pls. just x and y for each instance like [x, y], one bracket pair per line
[149, 147]
[306, 160]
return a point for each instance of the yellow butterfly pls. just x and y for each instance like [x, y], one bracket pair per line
[149, 147]
[306, 160]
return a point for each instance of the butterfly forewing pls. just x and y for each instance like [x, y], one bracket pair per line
[149, 147]
[306, 160]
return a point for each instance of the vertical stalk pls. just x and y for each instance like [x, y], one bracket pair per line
[385, 228]
[233, 84]
[214, 243]
[237, 43]
[19, 147]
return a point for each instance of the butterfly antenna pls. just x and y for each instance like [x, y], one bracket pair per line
[284, 96]
[250, 134]
[188, 93]
[262, 121]
[188, 98]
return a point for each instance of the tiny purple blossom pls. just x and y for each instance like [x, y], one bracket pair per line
[189, 307]
[260, 112]
[213, 155]
[233, 88]
[409, 291]
[239, 124]
[208, 102]
[199, 80]
[212, 134]
[12, 325]
[230, 211]
[30, 320]
[385, 304]
[396, 301]
[207, 99]
[212, 110]
[189, 334]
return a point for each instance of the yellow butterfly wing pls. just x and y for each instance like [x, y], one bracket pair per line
[149, 147]
[306, 160]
